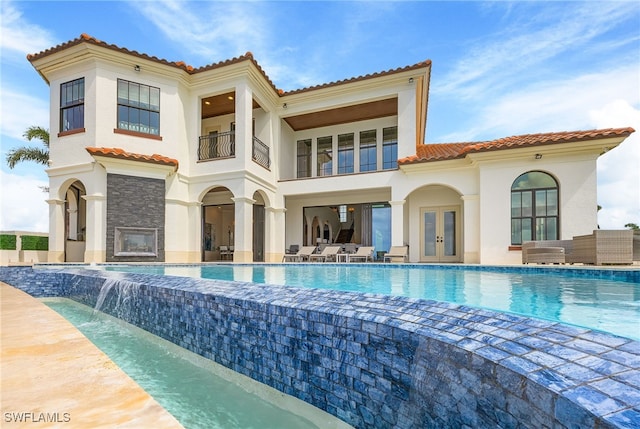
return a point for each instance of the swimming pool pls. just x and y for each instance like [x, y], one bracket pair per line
[376, 360]
[198, 393]
[583, 297]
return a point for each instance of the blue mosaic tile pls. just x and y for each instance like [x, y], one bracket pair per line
[552, 380]
[624, 393]
[624, 358]
[626, 419]
[632, 378]
[520, 365]
[492, 353]
[593, 400]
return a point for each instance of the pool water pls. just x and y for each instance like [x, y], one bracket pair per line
[607, 305]
[185, 384]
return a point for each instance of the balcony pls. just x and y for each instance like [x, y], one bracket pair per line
[223, 146]
[217, 146]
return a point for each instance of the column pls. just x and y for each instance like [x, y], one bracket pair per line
[397, 222]
[243, 230]
[471, 225]
[274, 244]
[244, 123]
[57, 239]
[96, 239]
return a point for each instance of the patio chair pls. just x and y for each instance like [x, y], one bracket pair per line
[363, 254]
[329, 253]
[396, 252]
[299, 256]
[225, 253]
[293, 249]
[603, 247]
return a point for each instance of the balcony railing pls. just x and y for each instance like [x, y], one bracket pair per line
[215, 146]
[223, 145]
[260, 153]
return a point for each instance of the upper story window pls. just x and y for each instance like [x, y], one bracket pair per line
[304, 158]
[368, 151]
[345, 153]
[534, 208]
[390, 148]
[72, 105]
[325, 156]
[138, 107]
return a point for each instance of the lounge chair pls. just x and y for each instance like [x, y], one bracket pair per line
[329, 253]
[363, 254]
[301, 255]
[396, 252]
[603, 247]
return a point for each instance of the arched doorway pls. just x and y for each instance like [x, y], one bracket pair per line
[75, 222]
[436, 217]
[218, 223]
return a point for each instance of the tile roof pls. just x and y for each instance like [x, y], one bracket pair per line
[444, 151]
[85, 38]
[122, 154]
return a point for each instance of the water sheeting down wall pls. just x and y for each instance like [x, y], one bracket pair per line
[377, 361]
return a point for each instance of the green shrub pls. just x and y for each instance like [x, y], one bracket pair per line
[8, 242]
[33, 242]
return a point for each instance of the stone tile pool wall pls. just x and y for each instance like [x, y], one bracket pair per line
[378, 361]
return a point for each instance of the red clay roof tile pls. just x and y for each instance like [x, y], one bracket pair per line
[122, 154]
[445, 151]
[248, 56]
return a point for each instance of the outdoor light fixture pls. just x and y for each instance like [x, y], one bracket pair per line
[410, 80]
[136, 68]
[538, 156]
[284, 106]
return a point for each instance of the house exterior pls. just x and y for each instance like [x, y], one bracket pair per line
[152, 160]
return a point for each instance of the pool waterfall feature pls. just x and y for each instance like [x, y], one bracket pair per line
[378, 361]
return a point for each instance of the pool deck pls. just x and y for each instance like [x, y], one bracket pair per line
[54, 377]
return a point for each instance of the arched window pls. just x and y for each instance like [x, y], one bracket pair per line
[534, 208]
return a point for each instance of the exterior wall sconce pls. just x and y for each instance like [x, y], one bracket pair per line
[284, 106]
[538, 156]
[136, 68]
[410, 80]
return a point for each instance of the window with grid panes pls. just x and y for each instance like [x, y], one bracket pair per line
[390, 148]
[534, 208]
[72, 105]
[368, 151]
[325, 156]
[138, 107]
[304, 158]
[345, 153]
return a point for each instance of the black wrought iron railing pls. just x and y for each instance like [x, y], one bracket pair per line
[260, 153]
[214, 146]
[223, 145]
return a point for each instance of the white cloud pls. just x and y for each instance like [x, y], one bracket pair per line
[20, 37]
[213, 31]
[22, 204]
[19, 111]
[530, 45]
[619, 169]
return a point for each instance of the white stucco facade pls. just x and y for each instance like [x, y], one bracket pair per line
[228, 151]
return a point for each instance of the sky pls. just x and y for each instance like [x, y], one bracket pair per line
[498, 68]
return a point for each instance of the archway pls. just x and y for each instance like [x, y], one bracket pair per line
[75, 222]
[218, 223]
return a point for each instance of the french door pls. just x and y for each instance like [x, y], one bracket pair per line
[440, 234]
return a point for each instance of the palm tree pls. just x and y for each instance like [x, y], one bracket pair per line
[26, 153]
